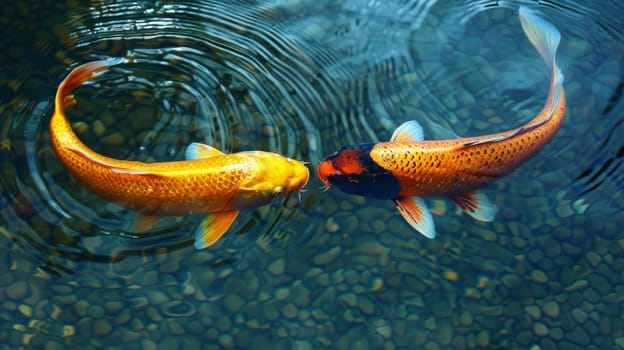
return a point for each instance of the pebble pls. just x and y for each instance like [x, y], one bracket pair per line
[96, 311]
[17, 291]
[579, 315]
[465, 319]
[511, 281]
[226, 341]
[599, 283]
[25, 310]
[114, 139]
[579, 336]
[80, 127]
[331, 226]
[289, 310]
[431, 324]
[102, 327]
[366, 306]
[153, 314]
[524, 337]
[518, 242]
[593, 259]
[99, 128]
[572, 250]
[148, 344]
[577, 285]
[551, 309]
[327, 257]
[539, 276]
[440, 307]
[177, 308]
[113, 307]
[540, 329]
[483, 338]
[233, 302]
[351, 276]
[383, 328]
[270, 130]
[564, 209]
[277, 267]
[349, 299]
[533, 311]
[556, 333]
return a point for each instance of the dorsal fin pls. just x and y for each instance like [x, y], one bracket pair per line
[408, 132]
[519, 131]
[136, 170]
[198, 150]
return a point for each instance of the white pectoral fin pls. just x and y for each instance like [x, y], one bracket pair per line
[200, 151]
[414, 210]
[475, 204]
[212, 227]
[408, 132]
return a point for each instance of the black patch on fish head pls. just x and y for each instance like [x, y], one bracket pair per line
[352, 170]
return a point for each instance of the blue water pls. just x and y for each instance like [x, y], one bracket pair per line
[335, 271]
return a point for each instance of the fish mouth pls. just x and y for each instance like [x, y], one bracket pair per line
[324, 170]
[300, 177]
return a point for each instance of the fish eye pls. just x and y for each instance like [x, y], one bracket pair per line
[278, 191]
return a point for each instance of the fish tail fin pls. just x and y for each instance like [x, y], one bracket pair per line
[81, 74]
[545, 37]
[58, 123]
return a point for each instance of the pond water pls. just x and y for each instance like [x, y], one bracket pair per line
[336, 271]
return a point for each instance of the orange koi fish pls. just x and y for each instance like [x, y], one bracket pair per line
[408, 167]
[208, 182]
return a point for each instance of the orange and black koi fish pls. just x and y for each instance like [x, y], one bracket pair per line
[208, 182]
[407, 167]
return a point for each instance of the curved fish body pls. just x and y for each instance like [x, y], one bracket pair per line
[208, 182]
[409, 167]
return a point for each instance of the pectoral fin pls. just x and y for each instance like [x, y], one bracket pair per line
[212, 227]
[143, 222]
[475, 204]
[416, 213]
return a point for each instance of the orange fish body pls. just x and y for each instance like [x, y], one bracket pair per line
[208, 182]
[408, 167]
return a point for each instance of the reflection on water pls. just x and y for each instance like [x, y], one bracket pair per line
[336, 271]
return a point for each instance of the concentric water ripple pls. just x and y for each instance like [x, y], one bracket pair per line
[196, 73]
[280, 77]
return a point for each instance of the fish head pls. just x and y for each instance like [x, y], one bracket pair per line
[351, 170]
[274, 177]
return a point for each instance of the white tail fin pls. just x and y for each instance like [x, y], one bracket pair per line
[544, 37]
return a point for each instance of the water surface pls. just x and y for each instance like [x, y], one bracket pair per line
[303, 78]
